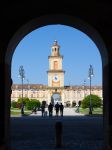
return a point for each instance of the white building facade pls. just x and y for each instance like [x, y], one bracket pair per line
[68, 95]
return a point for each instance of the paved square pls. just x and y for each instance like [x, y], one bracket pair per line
[36, 132]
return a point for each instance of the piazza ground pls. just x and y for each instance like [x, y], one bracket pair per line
[35, 132]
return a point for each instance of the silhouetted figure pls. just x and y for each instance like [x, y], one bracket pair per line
[57, 109]
[61, 109]
[22, 109]
[34, 110]
[43, 109]
[50, 109]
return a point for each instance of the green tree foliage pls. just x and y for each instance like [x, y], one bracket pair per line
[14, 104]
[19, 102]
[28, 103]
[32, 103]
[96, 101]
[25, 100]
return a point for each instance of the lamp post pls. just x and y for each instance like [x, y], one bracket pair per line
[27, 87]
[77, 102]
[22, 76]
[84, 88]
[90, 75]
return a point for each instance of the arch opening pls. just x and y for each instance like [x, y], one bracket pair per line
[56, 98]
[58, 19]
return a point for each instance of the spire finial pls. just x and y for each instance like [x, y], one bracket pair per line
[55, 42]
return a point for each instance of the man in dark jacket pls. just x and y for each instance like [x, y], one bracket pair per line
[50, 109]
[43, 109]
[61, 109]
[57, 109]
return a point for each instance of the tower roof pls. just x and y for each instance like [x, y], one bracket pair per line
[55, 49]
[56, 43]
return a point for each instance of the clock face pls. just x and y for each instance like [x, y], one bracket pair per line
[55, 78]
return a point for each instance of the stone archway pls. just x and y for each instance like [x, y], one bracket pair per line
[56, 98]
[56, 19]
[73, 103]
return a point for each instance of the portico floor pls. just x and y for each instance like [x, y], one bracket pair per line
[36, 132]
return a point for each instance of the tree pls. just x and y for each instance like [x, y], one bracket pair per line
[19, 102]
[14, 104]
[32, 103]
[96, 101]
[25, 100]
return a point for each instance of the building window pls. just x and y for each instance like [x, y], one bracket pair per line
[55, 64]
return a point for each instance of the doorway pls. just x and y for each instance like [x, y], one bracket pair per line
[56, 97]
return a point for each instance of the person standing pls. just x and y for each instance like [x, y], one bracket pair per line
[50, 109]
[57, 109]
[61, 109]
[43, 109]
[34, 110]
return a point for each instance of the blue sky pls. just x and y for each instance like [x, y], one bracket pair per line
[78, 49]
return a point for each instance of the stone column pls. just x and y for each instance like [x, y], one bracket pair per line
[5, 96]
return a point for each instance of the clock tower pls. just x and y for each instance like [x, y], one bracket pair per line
[55, 72]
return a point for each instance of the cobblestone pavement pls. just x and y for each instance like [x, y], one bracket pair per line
[36, 132]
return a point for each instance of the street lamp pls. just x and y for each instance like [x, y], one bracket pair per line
[90, 75]
[22, 76]
[84, 88]
[27, 87]
[78, 98]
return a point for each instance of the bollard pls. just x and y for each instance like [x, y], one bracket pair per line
[58, 127]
